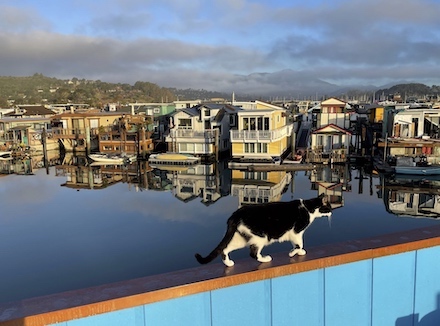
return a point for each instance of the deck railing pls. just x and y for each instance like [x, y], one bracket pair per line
[72, 132]
[189, 133]
[320, 156]
[261, 135]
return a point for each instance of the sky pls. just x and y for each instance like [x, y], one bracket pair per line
[208, 44]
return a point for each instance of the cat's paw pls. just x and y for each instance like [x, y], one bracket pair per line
[293, 252]
[265, 259]
[301, 252]
[228, 263]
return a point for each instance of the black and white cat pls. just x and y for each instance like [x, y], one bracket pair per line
[257, 226]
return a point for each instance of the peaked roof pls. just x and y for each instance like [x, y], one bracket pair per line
[268, 105]
[331, 126]
[333, 101]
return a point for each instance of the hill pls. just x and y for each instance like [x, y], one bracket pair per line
[287, 84]
[39, 89]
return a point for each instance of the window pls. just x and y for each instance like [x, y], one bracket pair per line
[319, 140]
[185, 123]
[94, 123]
[249, 147]
[207, 113]
[253, 124]
[266, 124]
[260, 123]
[245, 123]
[262, 147]
[255, 147]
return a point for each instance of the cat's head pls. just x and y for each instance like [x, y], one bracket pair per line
[325, 208]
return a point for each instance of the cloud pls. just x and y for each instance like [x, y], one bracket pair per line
[208, 44]
[15, 20]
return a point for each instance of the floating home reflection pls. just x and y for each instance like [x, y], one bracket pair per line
[87, 224]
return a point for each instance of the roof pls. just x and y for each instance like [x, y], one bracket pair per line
[330, 126]
[333, 101]
[30, 110]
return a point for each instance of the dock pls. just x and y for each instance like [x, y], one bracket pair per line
[272, 167]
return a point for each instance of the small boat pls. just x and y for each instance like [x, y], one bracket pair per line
[112, 158]
[415, 166]
[172, 159]
[5, 155]
[293, 159]
[418, 170]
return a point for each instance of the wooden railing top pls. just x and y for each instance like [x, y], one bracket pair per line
[111, 297]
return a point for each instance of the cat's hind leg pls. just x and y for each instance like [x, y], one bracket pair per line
[237, 242]
[257, 244]
[298, 244]
[256, 254]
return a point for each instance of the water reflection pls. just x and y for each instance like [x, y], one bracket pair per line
[81, 173]
[415, 196]
[402, 195]
[209, 182]
[134, 221]
[332, 181]
[25, 164]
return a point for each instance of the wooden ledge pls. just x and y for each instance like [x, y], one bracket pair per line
[111, 297]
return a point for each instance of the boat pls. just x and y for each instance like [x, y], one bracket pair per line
[294, 158]
[418, 170]
[5, 155]
[415, 166]
[162, 160]
[112, 158]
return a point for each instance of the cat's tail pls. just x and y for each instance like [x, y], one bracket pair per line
[232, 227]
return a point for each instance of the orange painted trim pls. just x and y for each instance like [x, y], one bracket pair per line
[116, 296]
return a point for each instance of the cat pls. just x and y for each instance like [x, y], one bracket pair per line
[257, 226]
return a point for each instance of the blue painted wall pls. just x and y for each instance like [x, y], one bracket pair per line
[398, 290]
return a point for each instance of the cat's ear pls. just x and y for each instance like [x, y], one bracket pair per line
[324, 198]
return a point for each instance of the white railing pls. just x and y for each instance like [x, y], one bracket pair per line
[262, 135]
[189, 133]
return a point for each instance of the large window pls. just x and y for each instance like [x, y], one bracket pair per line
[185, 123]
[257, 123]
[255, 147]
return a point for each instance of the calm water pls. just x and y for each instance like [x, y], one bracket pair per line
[57, 234]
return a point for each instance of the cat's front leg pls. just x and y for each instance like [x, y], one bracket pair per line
[297, 251]
[298, 245]
[264, 259]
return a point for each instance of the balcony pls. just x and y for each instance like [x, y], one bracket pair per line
[72, 133]
[261, 135]
[205, 136]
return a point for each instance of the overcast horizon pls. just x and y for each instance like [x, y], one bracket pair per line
[227, 45]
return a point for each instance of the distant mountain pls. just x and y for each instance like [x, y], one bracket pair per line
[281, 85]
[410, 90]
[286, 83]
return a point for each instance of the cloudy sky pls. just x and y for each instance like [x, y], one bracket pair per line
[205, 43]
